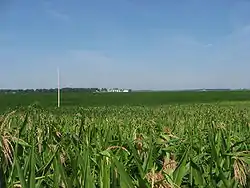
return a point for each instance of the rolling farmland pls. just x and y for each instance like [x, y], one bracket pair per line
[154, 139]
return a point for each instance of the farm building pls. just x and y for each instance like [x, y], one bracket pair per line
[114, 90]
[118, 90]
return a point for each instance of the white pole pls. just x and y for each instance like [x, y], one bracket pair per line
[58, 88]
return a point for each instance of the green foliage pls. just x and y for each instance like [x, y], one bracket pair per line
[201, 145]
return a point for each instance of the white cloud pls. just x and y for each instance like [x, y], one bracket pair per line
[3, 37]
[208, 45]
[55, 12]
[239, 14]
[58, 15]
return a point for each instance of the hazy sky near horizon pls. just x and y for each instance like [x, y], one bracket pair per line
[138, 44]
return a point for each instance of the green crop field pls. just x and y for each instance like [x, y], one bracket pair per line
[106, 140]
[120, 99]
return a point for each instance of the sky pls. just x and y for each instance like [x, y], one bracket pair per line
[137, 44]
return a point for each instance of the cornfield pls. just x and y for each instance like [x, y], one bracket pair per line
[192, 145]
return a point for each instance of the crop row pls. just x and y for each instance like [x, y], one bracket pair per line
[168, 146]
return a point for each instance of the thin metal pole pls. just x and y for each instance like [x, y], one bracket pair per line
[58, 88]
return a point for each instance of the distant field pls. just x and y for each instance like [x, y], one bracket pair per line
[118, 99]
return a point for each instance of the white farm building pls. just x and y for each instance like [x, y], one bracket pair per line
[118, 90]
[114, 90]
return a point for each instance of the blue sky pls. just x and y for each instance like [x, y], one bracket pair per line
[138, 44]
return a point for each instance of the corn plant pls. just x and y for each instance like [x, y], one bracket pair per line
[201, 145]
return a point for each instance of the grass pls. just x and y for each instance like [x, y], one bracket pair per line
[188, 145]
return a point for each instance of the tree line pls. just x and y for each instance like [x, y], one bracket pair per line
[52, 90]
